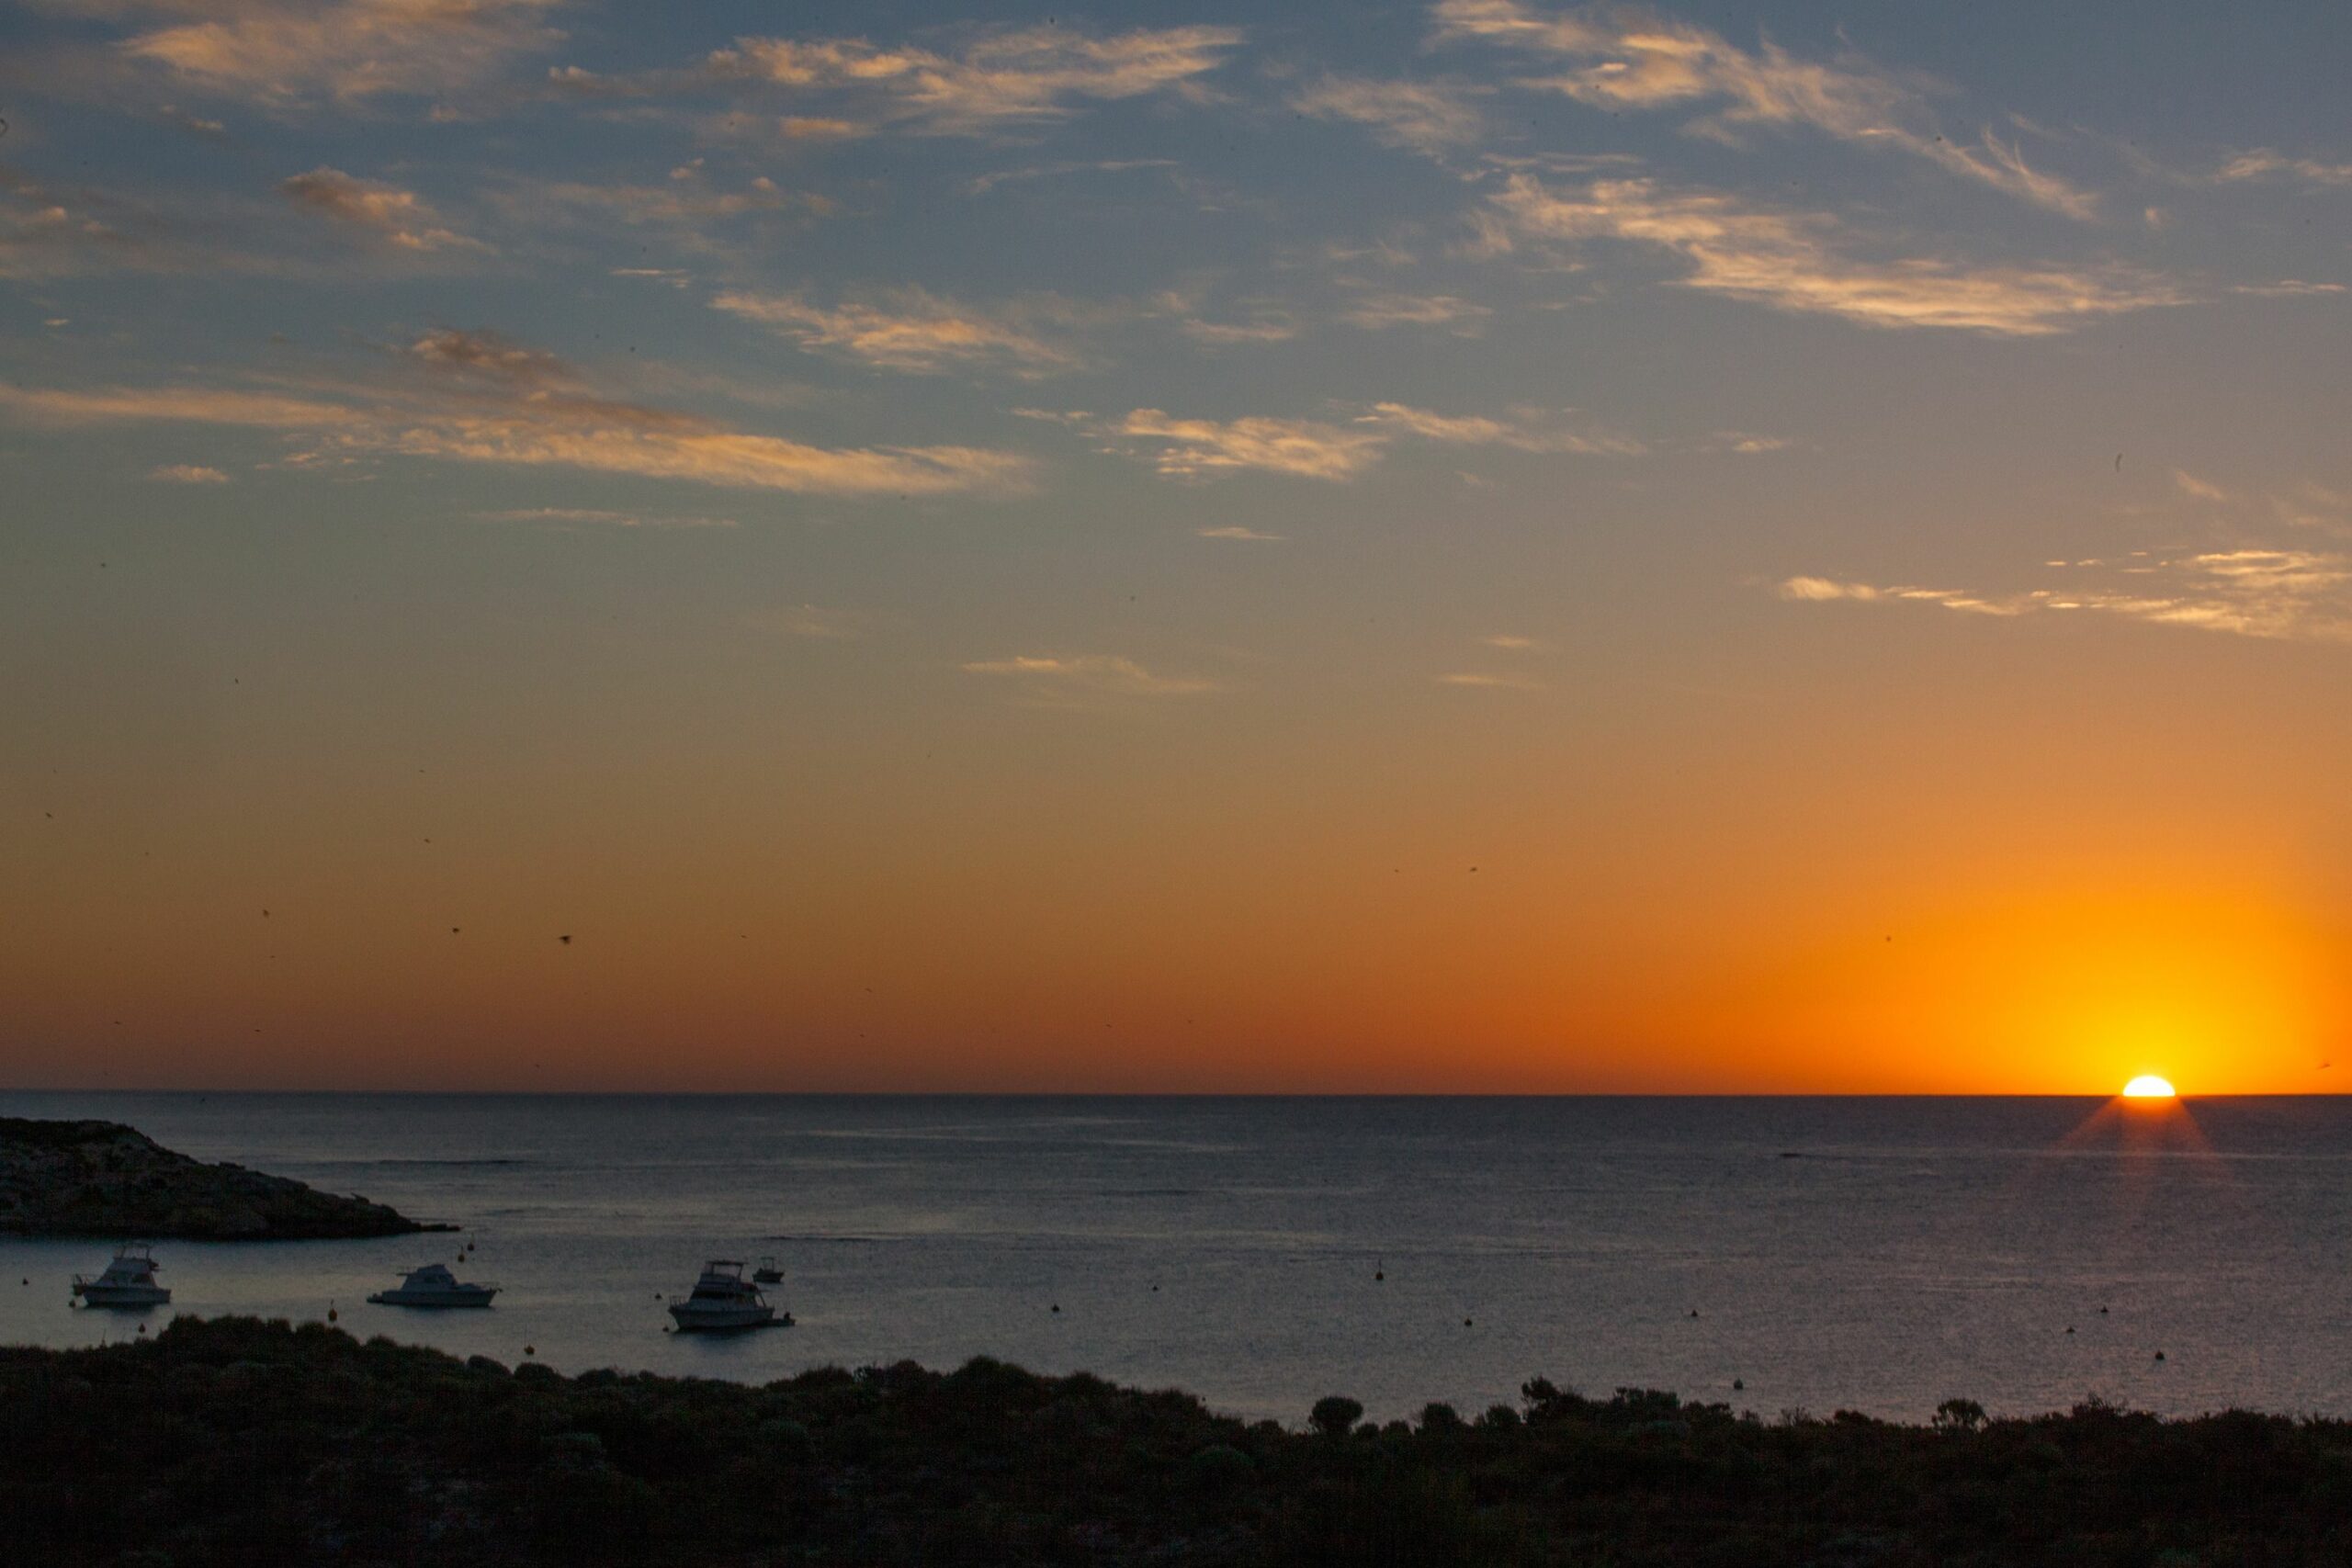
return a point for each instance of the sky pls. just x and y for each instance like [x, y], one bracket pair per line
[1460, 547]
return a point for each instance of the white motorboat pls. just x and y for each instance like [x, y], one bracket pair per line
[723, 1299]
[129, 1281]
[434, 1286]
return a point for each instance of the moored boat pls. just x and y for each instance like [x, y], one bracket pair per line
[434, 1286]
[129, 1281]
[724, 1300]
[767, 1273]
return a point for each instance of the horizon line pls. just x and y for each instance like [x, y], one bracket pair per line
[1165, 1094]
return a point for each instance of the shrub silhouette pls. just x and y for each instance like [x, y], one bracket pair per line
[1959, 1415]
[1335, 1415]
[232, 1442]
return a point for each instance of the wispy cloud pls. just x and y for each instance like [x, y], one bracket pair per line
[689, 198]
[2261, 165]
[1490, 680]
[1192, 449]
[1530, 430]
[49, 229]
[482, 353]
[1319, 449]
[2316, 507]
[281, 54]
[994, 82]
[187, 474]
[1513, 642]
[1427, 117]
[2287, 289]
[2252, 592]
[819, 128]
[1107, 673]
[476, 397]
[600, 517]
[983, 184]
[1262, 329]
[1824, 591]
[909, 330]
[384, 212]
[1236, 531]
[1625, 58]
[193, 125]
[42, 236]
[707, 455]
[1797, 261]
[1376, 312]
[188, 405]
[2189, 484]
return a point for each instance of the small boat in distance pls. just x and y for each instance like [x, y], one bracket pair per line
[434, 1286]
[767, 1273]
[129, 1281]
[724, 1300]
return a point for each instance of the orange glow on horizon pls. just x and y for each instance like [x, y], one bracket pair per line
[2234, 989]
[1069, 952]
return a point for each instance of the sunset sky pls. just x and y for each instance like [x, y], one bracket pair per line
[1472, 547]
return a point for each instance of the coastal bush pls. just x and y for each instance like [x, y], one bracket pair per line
[1219, 1467]
[1415, 1519]
[1959, 1415]
[321, 1450]
[785, 1436]
[1335, 1415]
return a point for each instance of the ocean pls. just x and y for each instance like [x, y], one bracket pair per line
[1878, 1255]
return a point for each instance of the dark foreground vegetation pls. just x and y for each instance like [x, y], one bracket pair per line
[102, 1179]
[236, 1441]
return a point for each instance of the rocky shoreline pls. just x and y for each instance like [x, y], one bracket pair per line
[102, 1179]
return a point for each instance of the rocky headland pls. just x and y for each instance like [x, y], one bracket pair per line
[102, 1179]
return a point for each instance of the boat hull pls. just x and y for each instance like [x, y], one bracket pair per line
[727, 1319]
[123, 1295]
[438, 1301]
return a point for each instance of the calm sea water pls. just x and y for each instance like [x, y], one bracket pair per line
[1876, 1255]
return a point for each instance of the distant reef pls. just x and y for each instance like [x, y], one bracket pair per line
[102, 1179]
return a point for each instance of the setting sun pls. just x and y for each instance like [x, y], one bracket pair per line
[2148, 1087]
